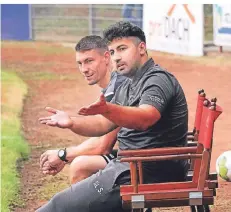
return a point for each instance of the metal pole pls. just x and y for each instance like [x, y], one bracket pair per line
[31, 32]
[90, 19]
[220, 49]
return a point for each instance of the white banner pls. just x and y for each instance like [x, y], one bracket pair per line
[222, 24]
[174, 28]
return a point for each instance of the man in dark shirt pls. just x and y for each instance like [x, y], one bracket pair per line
[154, 86]
[151, 109]
[94, 63]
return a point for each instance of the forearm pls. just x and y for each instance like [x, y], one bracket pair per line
[94, 146]
[91, 126]
[130, 117]
[88, 147]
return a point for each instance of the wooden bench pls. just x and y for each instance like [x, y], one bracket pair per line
[193, 135]
[199, 191]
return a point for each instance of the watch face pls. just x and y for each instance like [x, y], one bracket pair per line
[61, 153]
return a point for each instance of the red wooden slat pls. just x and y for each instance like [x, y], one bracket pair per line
[157, 151]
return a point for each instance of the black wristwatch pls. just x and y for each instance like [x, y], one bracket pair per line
[62, 153]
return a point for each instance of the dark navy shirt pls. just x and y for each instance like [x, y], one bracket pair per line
[155, 86]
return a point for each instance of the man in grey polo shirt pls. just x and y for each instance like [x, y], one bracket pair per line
[93, 59]
[151, 109]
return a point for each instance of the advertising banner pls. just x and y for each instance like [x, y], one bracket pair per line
[222, 24]
[174, 28]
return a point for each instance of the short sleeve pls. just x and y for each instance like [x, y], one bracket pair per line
[158, 91]
[120, 79]
[113, 100]
[109, 92]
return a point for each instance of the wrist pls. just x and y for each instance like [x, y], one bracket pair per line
[71, 126]
[62, 154]
[107, 108]
[72, 153]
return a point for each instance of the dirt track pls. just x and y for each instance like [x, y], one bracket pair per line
[53, 80]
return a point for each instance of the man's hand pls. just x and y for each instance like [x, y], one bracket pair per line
[99, 107]
[50, 163]
[59, 119]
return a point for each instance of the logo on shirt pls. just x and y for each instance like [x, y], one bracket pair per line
[156, 99]
[98, 186]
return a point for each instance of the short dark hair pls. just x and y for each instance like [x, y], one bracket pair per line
[123, 29]
[91, 42]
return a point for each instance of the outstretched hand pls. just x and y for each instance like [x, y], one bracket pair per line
[98, 107]
[58, 119]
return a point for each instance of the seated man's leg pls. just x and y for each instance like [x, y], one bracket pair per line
[84, 166]
[71, 199]
[98, 193]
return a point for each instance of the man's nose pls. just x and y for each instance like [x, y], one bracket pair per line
[117, 58]
[84, 69]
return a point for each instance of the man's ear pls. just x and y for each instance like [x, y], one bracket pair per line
[142, 48]
[107, 57]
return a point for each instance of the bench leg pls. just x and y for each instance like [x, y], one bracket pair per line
[203, 208]
[207, 209]
[142, 210]
[200, 208]
[193, 208]
[138, 210]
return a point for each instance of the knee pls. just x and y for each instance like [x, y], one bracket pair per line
[78, 164]
[78, 168]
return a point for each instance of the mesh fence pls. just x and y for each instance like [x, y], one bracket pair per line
[68, 23]
[71, 22]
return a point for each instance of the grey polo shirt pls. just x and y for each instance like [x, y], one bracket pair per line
[115, 81]
[154, 86]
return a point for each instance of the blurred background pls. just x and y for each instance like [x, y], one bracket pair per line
[68, 23]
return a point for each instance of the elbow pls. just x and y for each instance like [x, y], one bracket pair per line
[147, 118]
[106, 152]
[142, 128]
[102, 150]
[144, 125]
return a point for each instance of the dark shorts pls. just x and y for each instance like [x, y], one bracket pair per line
[98, 193]
[110, 156]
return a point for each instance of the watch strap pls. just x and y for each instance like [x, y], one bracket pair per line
[63, 158]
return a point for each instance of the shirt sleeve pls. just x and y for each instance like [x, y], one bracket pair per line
[119, 95]
[109, 92]
[158, 91]
[119, 84]
[113, 100]
[119, 81]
